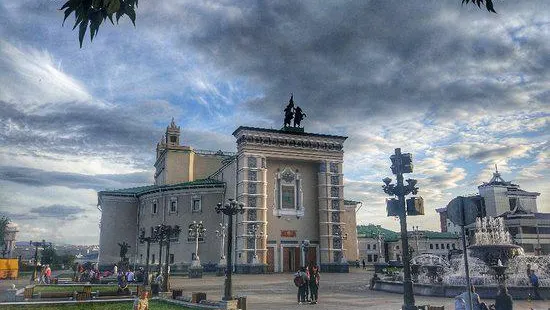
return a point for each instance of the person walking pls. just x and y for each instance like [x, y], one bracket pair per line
[503, 301]
[476, 300]
[300, 279]
[534, 280]
[364, 264]
[306, 288]
[314, 278]
[47, 274]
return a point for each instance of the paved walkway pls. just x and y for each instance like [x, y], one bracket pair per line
[277, 292]
[336, 291]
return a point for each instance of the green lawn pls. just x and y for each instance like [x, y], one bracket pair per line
[78, 288]
[153, 305]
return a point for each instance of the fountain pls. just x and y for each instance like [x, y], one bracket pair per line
[493, 260]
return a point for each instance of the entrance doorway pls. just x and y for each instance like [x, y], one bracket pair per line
[292, 258]
[270, 259]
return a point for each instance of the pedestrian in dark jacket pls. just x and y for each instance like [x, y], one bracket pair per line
[535, 283]
[300, 279]
[503, 301]
[314, 278]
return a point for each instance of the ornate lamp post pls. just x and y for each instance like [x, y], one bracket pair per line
[36, 245]
[256, 232]
[304, 246]
[196, 230]
[221, 234]
[380, 237]
[148, 240]
[402, 163]
[230, 208]
[165, 233]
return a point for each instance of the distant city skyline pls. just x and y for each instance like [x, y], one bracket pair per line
[458, 87]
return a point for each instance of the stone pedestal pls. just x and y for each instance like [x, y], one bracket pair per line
[251, 268]
[195, 272]
[229, 304]
[220, 270]
[335, 267]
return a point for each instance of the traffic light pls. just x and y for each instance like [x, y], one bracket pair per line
[406, 163]
[401, 164]
[415, 206]
[392, 207]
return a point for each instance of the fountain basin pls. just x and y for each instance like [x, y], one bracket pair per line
[450, 291]
[491, 253]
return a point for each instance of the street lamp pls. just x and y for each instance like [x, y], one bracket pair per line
[221, 234]
[196, 230]
[165, 233]
[256, 232]
[402, 163]
[305, 246]
[230, 208]
[36, 245]
[142, 239]
[380, 237]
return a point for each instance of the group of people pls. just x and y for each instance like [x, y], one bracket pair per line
[503, 300]
[45, 275]
[307, 281]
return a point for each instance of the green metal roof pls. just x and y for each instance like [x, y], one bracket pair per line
[137, 191]
[372, 231]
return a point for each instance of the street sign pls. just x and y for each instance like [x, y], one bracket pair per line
[415, 206]
[462, 211]
[393, 207]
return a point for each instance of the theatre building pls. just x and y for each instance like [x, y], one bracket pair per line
[291, 184]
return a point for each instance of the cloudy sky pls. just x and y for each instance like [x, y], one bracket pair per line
[460, 88]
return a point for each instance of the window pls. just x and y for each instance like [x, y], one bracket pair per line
[397, 247]
[173, 139]
[154, 207]
[252, 202]
[431, 246]
[374, 246]
[442, 246]
[375, 257]
[437, 246]
[196, 204]
[141, 257]
[322, 167]
[334, 192]
[334, 167]
[334, 180]
[288, 193]
[368, 246]
[252, 188]
[251, 215]
[448, 246]
[335, 204]
[171, 258]
[252, 175]
[453, 246]
[335, 217]
[153, 259]
[173, 205]
[252, 162]
[369, 258]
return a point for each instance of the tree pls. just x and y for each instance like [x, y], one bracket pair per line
[49, 256]
[91, 13]
[4, 221]
[488, 4]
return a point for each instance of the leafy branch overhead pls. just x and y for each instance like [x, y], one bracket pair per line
[91, 13]
[488, 4]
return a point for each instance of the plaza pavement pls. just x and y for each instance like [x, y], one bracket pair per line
[336, 292]
[277, 292]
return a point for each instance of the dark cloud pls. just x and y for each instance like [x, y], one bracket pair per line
[58, 211]
[37, 177]
[361, 59]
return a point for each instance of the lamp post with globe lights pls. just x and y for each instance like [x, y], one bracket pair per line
[255, 232]
[402, 163]
[231, 208]
[196, 230]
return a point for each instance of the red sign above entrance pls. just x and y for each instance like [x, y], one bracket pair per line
[288, 233]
